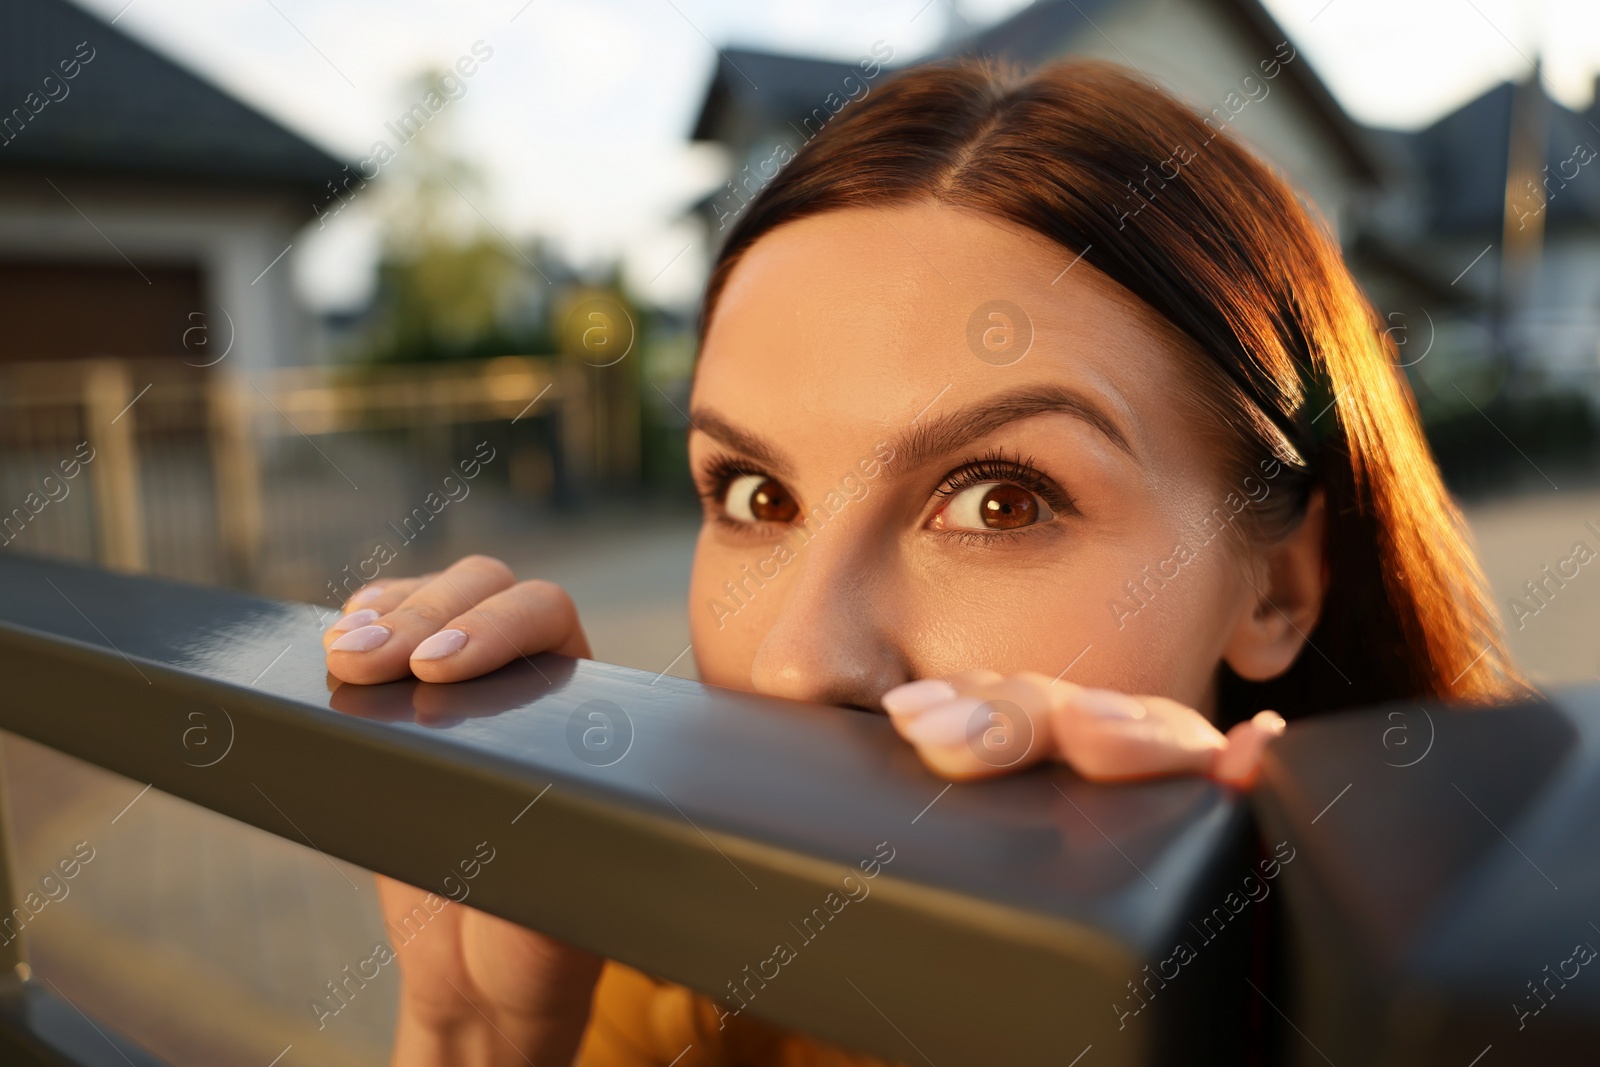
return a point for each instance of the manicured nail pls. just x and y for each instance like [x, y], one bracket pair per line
[1271, 722]
[442, 644]
[354, 619]
[918, 696]
[365, 639]
[366, 595]
[948, 724]
[1108, 704]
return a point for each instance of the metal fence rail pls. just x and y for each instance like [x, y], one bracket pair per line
[1433, 864]
[1444, 909]
[679, 828]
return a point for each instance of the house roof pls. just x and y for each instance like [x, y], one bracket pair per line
[132, 111]
[773, 87]
[1033, 34]
[792, 85]
[1461, 162]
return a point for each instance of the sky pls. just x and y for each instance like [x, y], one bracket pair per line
[580, 117]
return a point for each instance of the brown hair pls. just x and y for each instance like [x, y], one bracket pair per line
[1201, 231]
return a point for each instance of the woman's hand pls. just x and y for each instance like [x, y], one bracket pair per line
[464, 621]
[478, 990]
[475, 989]
[978, 723]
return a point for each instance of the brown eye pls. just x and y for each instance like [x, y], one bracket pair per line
[992, 506]
[758, 498]
[1007, 507]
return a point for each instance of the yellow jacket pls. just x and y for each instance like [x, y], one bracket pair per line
[639, 1021]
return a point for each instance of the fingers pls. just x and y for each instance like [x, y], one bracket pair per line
[387, 595]
[371, 602]
[1109, 736]
[530, 617]
[976, 724]
[380, 650]
[1239, 763]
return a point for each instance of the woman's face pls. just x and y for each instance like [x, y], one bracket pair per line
[892, 493]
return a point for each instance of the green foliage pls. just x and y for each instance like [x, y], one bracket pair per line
[450, 285]
[447, 301]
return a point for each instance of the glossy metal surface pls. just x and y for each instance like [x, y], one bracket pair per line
[40, 1029]
[1450, 864]
[1006, 928]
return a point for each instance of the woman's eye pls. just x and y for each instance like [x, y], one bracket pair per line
[992, 506]
[757, 498]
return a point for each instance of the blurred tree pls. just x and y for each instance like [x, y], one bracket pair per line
[449, 285]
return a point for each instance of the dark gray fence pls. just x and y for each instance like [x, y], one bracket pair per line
[690, 831]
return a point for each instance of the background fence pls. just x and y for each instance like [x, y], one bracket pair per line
[289, 482]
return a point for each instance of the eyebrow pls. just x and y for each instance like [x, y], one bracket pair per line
[939, 436]
[730, 436]
[947, 433]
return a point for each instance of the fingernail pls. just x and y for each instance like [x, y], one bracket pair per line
[948, 724]
[442, 644]
[366, 595]
[918, 696]
[1271, 722]
[354, 619]
[365, 639]
[1108, 704]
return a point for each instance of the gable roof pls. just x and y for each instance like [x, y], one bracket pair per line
[131, 111]
[1033, 34]
[1461, 161]
[772, 87]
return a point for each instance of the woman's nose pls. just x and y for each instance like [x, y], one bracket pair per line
[835, 639]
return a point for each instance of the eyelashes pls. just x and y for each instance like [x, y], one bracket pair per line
[1001, 466]
[714, 477]
[712, 482]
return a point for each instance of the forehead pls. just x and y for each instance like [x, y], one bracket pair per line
[865, 316]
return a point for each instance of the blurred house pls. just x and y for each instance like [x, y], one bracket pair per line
[147, 320]
[1477, 238]
[1226, 57]
[1492, 228]
[144, 212]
